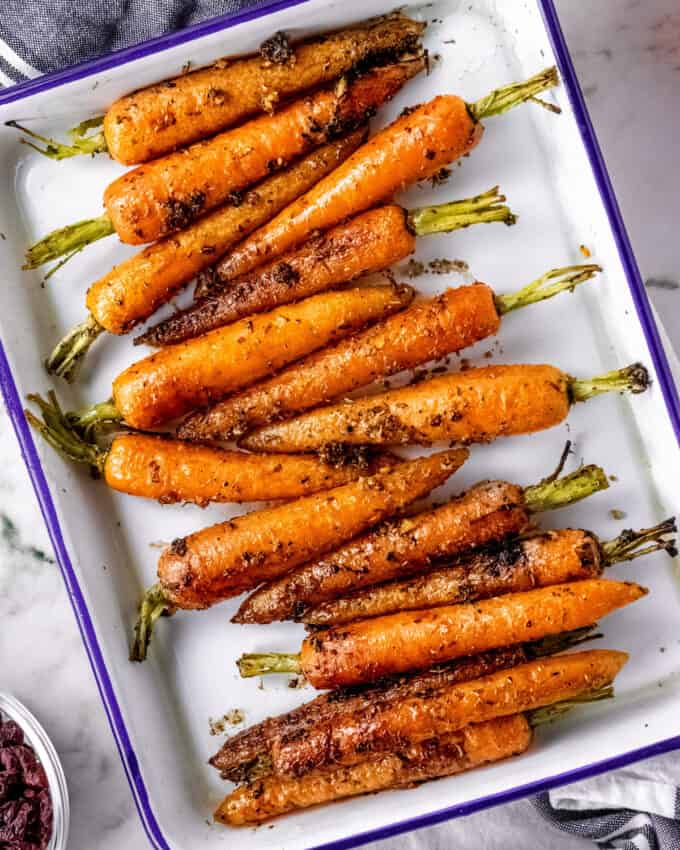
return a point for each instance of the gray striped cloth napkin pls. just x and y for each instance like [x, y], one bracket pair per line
[634, 809]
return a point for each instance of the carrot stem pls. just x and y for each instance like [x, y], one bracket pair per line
[56, 430]
[632, 379]
[262, 663]
[553, 493]
[81, 142]
[154, 604]
[549, 713]
[443, 218]
[546, 286]
[633, 544]
[104, 413]
[552, 644]
[68, 240]
[503, 99]
[69, 352]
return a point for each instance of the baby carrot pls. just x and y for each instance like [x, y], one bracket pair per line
[223, 560]
[167, 194]
[368, 243]
[160, 118]
[486, 513]
[550, 558]
[412, 148]
[169, 470]
[475, 406]
[250, 753]
[528, 686]
[192, 374]
[383, 726]
[428, 330]
[135, 288]
[472, 747]
[365, 650]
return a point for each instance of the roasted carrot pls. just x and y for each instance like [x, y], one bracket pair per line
[183, 377]
[428, 330]
[486, 513]
[248, 755]
[167, 194]
[365, 650]
[553, 557]
[169, 470]
[171, 114]
[368, 243]
[133, 290]
[475, 406]
[412, 148]
[223, 560]
[384, 726]
[471, 747]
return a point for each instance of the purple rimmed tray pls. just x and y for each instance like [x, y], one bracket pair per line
[110, 695]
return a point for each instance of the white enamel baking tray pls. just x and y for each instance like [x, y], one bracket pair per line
[552, 172]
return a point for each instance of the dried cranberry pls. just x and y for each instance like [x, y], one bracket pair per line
[11, 734]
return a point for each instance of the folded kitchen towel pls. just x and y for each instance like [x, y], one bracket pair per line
[633, 809]
[637, 808]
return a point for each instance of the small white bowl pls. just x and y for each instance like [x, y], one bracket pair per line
[36, 737]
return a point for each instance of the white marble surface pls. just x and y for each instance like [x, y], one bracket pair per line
[627, 54]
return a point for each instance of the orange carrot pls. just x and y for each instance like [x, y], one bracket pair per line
[412, 148]
[367, 649]
[135, 288]
[475, 406]
[223, 560]
[158, 467]
[167, 194]
[180, 378]
[428, 330]
[160, 118]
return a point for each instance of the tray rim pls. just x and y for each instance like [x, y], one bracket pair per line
[38, 479]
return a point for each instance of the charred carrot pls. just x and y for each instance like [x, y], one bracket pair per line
[135, 288]
[168, 470]
[223, 560]
[413, 148]
[486, 513]
[553, 557]
[248, 755]
[472, 747]
[368, 243]
[365, 650]
[475, 406]
[171, 114]
[167, 194]
[192, 374]
[385, 726]
[428, 330]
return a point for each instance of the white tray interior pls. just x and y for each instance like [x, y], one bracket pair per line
[190, 676]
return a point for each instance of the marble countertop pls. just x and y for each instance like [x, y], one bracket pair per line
[627, 54]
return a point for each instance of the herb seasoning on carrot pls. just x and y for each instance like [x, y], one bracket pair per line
[368, 243]
[475, 406]
[412, 148]
[158, 119]
[411, 640]
[428, 330]
[487, 513]
[135, 288]
[169, 470]
[223, 560]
